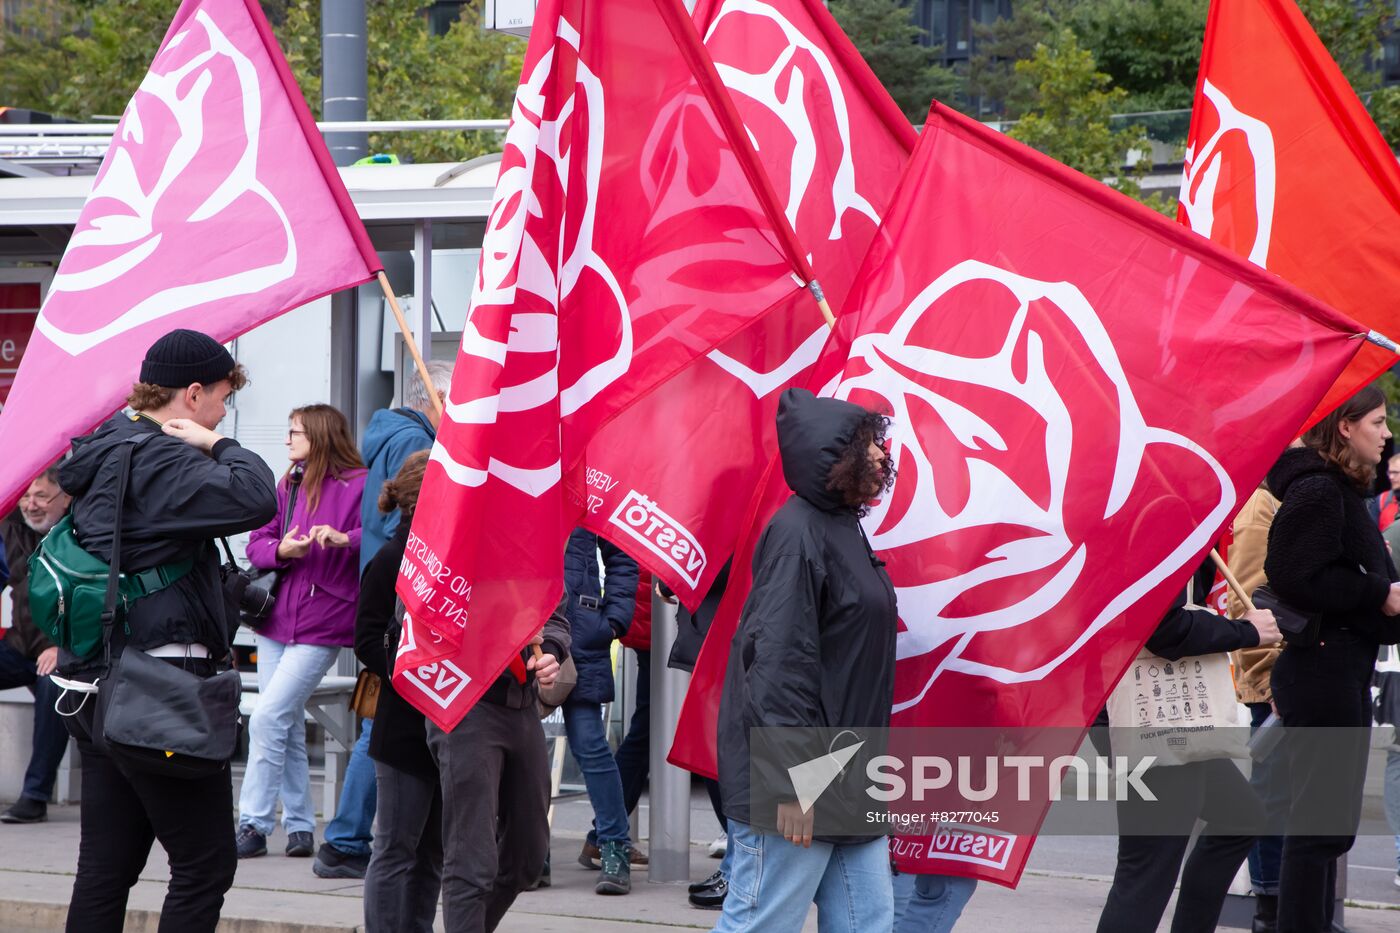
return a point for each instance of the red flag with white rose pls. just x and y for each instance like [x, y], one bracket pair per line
[1285, 167]
[632, 232]
[833, 143]
[1063, 465]
[217, 207]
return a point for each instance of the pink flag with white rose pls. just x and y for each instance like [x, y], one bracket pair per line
[217, 207]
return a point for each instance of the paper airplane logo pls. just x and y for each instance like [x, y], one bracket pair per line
[811, 778]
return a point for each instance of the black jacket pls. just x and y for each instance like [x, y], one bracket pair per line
[598, 611]
[400, 738]
[692, 627]
[1183, 632]
[506, 691]
[179, 501]
[1326, 554]
[815, 645]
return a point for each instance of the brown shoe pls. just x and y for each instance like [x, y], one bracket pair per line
[590, 856]
[636, 856]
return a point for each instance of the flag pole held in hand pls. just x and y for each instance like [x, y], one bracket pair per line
[1231, 581]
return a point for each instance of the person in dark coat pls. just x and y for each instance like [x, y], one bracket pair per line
[188, 487]
[27, 656]
[600, 610]
[1154, 834]
[815, 648]
[1327, 557]
[495, 788]
[405, 872]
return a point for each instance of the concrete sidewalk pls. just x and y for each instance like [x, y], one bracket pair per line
[1062, 892]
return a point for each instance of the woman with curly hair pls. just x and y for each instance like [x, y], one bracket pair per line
[1326, 557]
[815, 648]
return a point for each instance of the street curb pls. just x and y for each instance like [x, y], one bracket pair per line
[16, 913]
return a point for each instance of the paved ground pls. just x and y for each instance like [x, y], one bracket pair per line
[1063, 889]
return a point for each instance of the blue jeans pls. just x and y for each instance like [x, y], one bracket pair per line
[772, 882]
[277, 765]
[352, 830]
[1269, 778]
[930, 903]
[50, 737]
[1392, 795]
[588, 740]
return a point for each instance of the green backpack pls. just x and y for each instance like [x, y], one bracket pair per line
[73, 595]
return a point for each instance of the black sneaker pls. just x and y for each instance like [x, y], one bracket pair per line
[697, 886]
[711, 898]
[300, 845]
[333, 863]
[616, 876]
[543, 881]
[251, 843]
[26, 810]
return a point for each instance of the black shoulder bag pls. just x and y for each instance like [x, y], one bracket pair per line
[257, 591]
[153, 715]
[1299, 628]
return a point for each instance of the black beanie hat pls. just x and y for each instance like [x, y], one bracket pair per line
[184, 357]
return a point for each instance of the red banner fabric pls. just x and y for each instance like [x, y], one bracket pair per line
[1080, 391]
[213, 209]
[668, 480]
[626, 241]
[1285, 167]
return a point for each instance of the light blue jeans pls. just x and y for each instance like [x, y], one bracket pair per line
[277, 764]
[772, 882]
[352, 830]
[1392, 795]
[930, 903]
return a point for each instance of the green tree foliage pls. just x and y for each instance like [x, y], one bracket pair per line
[885, 33]
[1149, 48]
[84, 58]
[1069, 119]
[997, 89]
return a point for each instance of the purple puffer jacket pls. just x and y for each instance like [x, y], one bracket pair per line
[316, 594]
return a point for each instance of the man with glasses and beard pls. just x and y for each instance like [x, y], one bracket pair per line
[27, 656]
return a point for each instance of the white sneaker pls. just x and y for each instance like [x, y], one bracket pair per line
[719, 845]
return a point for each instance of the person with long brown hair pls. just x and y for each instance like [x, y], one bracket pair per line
[314, 545]
[1327, 559]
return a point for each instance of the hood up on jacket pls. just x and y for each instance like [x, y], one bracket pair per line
[1294, 464]
[387, 424]
[812, 432]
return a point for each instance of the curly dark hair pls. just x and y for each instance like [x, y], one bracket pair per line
[852, 476]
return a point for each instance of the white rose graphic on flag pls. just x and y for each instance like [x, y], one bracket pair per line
[528, 271]
[1006, 471]
[1235, 145]
[139, 253]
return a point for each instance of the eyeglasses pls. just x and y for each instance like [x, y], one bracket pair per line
[38, 499]
[292, 434]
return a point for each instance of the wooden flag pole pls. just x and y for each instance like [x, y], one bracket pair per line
[816, 289]
[1230, 580]
[410, 342]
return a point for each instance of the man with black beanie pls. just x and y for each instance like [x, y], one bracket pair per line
[188, 486]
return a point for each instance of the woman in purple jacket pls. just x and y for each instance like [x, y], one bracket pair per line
[315, 543]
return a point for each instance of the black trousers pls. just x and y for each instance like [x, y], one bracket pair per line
[121, 815]
[1324, 696]
[1154, 840]
[495, 810]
